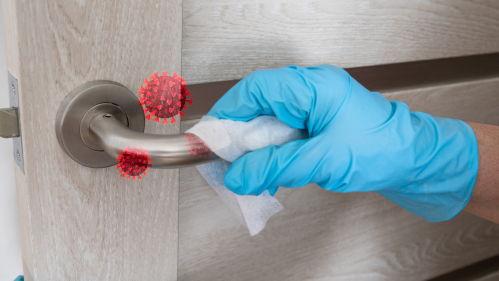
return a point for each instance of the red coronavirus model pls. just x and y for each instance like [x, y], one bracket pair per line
[163, 97]
[197, 147]
[133, 162]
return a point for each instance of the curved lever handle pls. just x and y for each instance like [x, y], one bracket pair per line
[165, 151]
[99, 119]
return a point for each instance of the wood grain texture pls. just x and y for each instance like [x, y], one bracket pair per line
[228, 39]
[321, 235]
[79, 223]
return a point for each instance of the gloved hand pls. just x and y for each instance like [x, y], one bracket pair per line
[358, 141]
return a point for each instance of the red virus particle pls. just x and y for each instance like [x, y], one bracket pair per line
[133, 162]
[163, 97]
[197, 147]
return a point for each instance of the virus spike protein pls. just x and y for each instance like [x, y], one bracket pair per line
[164, 97]
[133, 162]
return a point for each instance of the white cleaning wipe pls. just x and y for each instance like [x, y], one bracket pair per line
[231, 140]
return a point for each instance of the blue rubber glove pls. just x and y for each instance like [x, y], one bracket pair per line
[359, 141]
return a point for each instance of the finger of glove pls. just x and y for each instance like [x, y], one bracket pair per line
[300, 97]
[273, 190]
[290, 165]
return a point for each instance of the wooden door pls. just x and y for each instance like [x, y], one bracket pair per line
[90, 224]
[79, 223]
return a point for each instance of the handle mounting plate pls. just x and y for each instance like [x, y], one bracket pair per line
[14, 103]
[84, 103]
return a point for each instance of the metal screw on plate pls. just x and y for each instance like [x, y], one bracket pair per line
[13, 89]
[18, 155]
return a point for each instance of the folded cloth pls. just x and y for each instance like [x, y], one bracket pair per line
[232, 139]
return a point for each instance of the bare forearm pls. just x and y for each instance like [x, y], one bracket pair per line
[485, 199]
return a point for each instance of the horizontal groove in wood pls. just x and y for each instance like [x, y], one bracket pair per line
[379, 78]
[472, 101]
[476, 271]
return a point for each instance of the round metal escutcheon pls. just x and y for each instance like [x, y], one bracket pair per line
[77, 111]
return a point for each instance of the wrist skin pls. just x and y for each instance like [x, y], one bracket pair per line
[484, 201]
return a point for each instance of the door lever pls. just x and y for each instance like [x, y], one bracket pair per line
[165, 151]
[99, 120]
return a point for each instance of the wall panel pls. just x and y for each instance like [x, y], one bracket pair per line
[228, 39]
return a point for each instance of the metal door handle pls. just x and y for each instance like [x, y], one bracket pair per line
[165, 151]
[100, 119]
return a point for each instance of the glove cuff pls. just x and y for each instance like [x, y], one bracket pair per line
[443, 183]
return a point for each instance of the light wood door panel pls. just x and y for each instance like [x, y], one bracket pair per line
[321, 235]
[90, 224]
[79, 223]
[228, 39]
